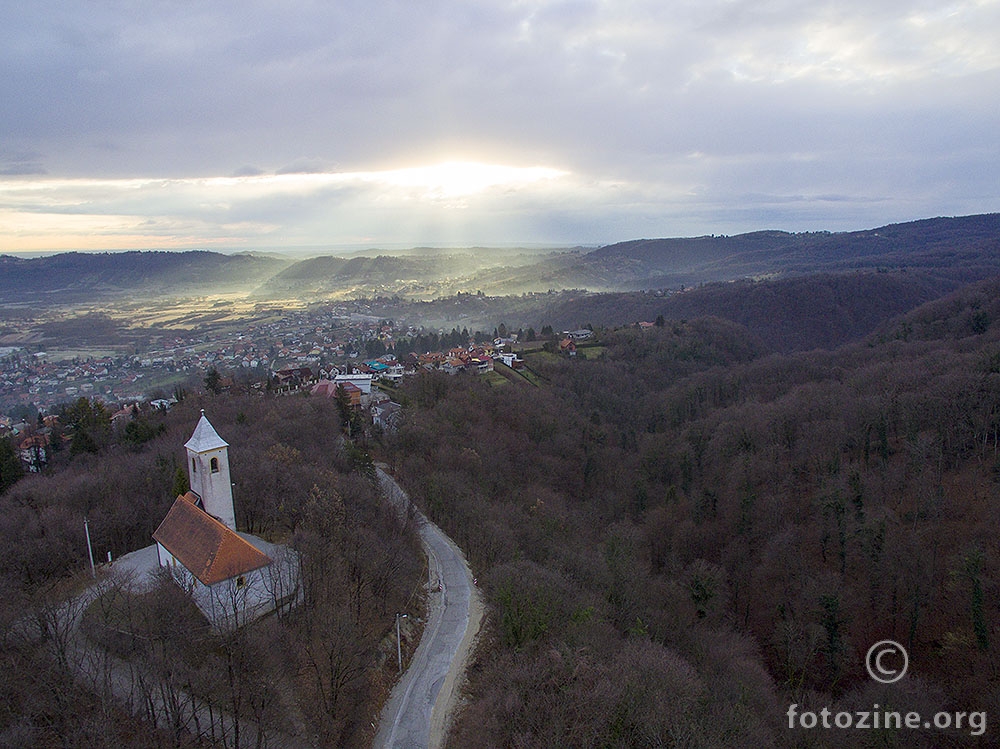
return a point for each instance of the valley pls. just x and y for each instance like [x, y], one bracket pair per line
[686, 505]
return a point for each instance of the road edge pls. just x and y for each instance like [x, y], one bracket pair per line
[448, 700]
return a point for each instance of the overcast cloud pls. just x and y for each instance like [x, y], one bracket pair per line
[330, 124]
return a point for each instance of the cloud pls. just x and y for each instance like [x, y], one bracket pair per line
[248, 171]
[792, 98]
[20, 163]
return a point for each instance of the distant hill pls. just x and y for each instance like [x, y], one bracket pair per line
[795, 314]
[421, 275]
[956, 250]
[77, 276]
[960, 249]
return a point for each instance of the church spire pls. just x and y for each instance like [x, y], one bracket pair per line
[205, 437]
[208, 469]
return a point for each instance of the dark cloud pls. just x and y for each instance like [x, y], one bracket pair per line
[248, 171]
[667, 115]
[21, 163]
[303, 166]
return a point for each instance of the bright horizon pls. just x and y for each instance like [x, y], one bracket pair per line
[249, 127]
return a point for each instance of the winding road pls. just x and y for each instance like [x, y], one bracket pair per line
[421, 705]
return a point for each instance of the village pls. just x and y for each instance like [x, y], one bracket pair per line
[314, 351]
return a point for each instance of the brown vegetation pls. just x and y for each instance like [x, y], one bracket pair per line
[314, 672]
[682, 537]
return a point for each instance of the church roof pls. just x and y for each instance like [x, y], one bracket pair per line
[208, 549]
[205, 437]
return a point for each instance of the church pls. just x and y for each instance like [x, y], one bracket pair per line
[233, 577]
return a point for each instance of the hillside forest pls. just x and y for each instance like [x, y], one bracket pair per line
[317, 672]
[681, 533]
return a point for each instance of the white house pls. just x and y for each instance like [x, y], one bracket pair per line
[232, 577]
[361, 381]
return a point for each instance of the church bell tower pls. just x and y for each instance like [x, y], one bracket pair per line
[208, 470]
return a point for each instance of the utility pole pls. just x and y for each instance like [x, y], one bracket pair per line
[90, 551]
[399, 650]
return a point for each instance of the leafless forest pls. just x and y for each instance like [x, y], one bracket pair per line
[681, 537]
[678, 533]
[316, 673]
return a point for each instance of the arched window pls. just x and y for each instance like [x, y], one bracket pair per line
[194, 466]
[215, 465]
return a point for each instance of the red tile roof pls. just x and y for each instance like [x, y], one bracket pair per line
[207, 548]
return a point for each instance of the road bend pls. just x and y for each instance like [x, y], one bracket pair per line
[417, 713]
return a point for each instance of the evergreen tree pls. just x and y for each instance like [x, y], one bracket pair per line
[181, 484]
[212, 381]
[90, 425]
[344, 407]
[10, 465]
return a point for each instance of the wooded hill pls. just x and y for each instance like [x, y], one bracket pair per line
[682, 534]
[822, 310]
[318, 672]
[77, 276]
[954, 249]
[959, 249]
[799, 313]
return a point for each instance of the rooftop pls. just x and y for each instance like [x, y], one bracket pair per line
[205, 437]
[207, 548]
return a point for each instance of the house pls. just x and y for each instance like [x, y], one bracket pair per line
[353, 393]
[482, 365]
[453, 366]
[293, 377]
[328, 389]
[511, 360]
[393, 373]
[232, 577]
[567, 346]
[387, 415]
[34, 451]
[324, 389]
[362, 381]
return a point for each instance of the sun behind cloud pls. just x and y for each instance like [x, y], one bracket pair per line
[59, 214]
[461, 178]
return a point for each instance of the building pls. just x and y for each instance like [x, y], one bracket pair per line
[567, 346]
[208, 468]
[361, 381]
[328, 389]
[232, 577]
[34, 451]
[387, 415]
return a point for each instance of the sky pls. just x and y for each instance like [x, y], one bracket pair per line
[340, 124]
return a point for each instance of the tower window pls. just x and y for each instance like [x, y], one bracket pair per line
[194, 466]
[215, 465]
